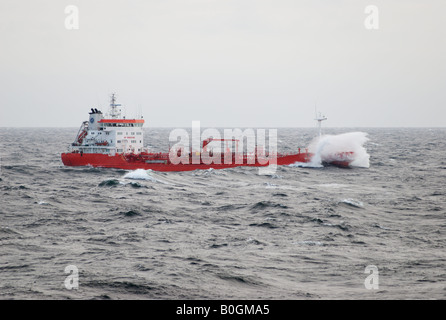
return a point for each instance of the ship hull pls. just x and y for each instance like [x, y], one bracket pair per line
[124, 162]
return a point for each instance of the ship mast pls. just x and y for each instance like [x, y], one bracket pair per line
[320, 118]
[114, 113]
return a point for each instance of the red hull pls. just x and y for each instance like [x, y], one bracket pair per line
[130, 162]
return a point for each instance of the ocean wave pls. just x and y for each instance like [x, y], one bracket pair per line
[130, 213]
[310, 243]
[267, 204]
[209, 172]
[352, 203]
[311, 164]
[270, 185]
[141, 174]
[267, 225]
[109, 183]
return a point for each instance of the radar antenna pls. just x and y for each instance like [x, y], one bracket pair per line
[319, 118]
[114, 112]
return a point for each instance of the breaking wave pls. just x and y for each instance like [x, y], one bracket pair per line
[141, 174]
[353, 203]
[327, 148]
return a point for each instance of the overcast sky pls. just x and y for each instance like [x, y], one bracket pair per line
[226, 63]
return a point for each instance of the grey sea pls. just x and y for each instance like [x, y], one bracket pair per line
[376, 232]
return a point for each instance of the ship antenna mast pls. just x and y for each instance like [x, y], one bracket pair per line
[319, 118]
[114, 111]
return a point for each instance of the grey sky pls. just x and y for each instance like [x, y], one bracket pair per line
[227, 63]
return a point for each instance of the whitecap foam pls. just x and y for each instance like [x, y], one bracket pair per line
[270, 185]
[208, 172]
[309, 243]
[353, 203]
[333, 185]
[141, 174]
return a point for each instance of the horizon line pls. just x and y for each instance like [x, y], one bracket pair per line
[267, 127]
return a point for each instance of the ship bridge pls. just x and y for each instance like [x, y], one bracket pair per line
[121, 122]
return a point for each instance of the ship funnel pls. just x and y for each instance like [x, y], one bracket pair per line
[95, 117]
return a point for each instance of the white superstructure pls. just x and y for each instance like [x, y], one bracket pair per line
[111, 135]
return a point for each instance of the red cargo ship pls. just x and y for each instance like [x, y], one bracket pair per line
[116, 142]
